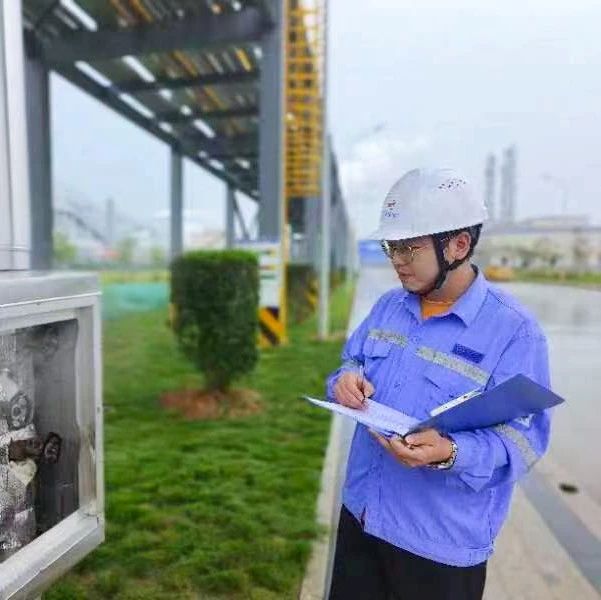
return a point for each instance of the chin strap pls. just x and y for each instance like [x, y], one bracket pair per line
[444, 266]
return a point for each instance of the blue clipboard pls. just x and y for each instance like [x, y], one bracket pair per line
[516, 397]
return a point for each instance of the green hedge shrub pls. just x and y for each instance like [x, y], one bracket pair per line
[215, 297]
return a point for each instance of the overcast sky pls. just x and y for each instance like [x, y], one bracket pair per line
[411, 84]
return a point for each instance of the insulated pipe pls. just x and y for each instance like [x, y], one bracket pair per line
[14, 175]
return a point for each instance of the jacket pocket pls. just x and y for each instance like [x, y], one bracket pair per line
[375, 352]
[443, 385]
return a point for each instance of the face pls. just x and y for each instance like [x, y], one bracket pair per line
[419, 274]
[422, 270]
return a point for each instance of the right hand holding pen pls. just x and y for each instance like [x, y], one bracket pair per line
[351, 389]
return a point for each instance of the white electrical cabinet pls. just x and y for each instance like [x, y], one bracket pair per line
[51, 442]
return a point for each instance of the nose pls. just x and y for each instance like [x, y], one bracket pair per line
[397, 261]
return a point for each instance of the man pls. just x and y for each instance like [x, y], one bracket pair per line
[420, 514]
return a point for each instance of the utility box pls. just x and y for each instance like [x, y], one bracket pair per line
[51, 427]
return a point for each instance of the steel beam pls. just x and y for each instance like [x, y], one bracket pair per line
[267, 7]
[240, 217]
[224, 146]
[37, 79]
[109, 98]
[271, 128]
[232, 154]
[214, 115]
[199, 33]
[169, 83]
[176, 213]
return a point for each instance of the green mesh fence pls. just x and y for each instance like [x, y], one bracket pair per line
[119, 299]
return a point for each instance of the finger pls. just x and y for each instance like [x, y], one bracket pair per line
[400, 439]
[368, 388]
[422, 456]
[350, 401]
[426, 437]
[380, 438]
[344, 397]
[357, 397]
[401, 450]
[353, 389]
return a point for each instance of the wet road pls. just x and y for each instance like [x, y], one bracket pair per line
[571, 319]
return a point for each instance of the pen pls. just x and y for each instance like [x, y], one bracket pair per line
[361, 374]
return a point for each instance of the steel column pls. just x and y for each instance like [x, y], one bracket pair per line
[177, 230]
[271, 129]
[325, 245]
[326, 199]
[37, 80]
[14, 179]
[230, 201]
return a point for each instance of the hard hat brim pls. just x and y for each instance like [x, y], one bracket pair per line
[398, 233]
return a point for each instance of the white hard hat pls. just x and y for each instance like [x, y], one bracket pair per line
[428, 201]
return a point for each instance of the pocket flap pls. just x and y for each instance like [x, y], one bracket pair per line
[449, 382]
[375, 348]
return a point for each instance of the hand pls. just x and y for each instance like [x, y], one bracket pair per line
[418, 449]
[348, 390]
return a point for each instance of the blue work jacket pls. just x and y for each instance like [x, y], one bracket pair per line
[450, 516]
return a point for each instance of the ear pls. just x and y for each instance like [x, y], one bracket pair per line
[459, 246]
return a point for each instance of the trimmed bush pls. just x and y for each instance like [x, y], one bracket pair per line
[215, 297]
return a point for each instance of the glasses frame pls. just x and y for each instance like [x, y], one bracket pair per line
[392, 247]
[406, 252]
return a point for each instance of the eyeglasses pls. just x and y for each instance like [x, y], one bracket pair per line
[405, 252]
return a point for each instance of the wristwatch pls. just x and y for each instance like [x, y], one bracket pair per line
[446, 464]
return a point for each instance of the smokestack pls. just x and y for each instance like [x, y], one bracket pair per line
[14, 177]
[508, 186]
[489, 187]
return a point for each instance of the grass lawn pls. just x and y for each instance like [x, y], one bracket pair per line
[213, 509]
[133, 275]
[591, 280]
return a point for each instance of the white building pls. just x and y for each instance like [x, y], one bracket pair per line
[563, 242]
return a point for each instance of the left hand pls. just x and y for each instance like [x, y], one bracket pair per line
[417, 449]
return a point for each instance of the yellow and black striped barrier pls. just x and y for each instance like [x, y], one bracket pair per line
[272, 331]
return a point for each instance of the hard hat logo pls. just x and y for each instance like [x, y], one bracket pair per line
[426, 202]
[451, 183]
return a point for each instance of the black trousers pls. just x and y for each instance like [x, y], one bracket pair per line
[368, 568]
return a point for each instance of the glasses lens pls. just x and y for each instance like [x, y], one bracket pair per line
[403, 252]
[386, 248]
